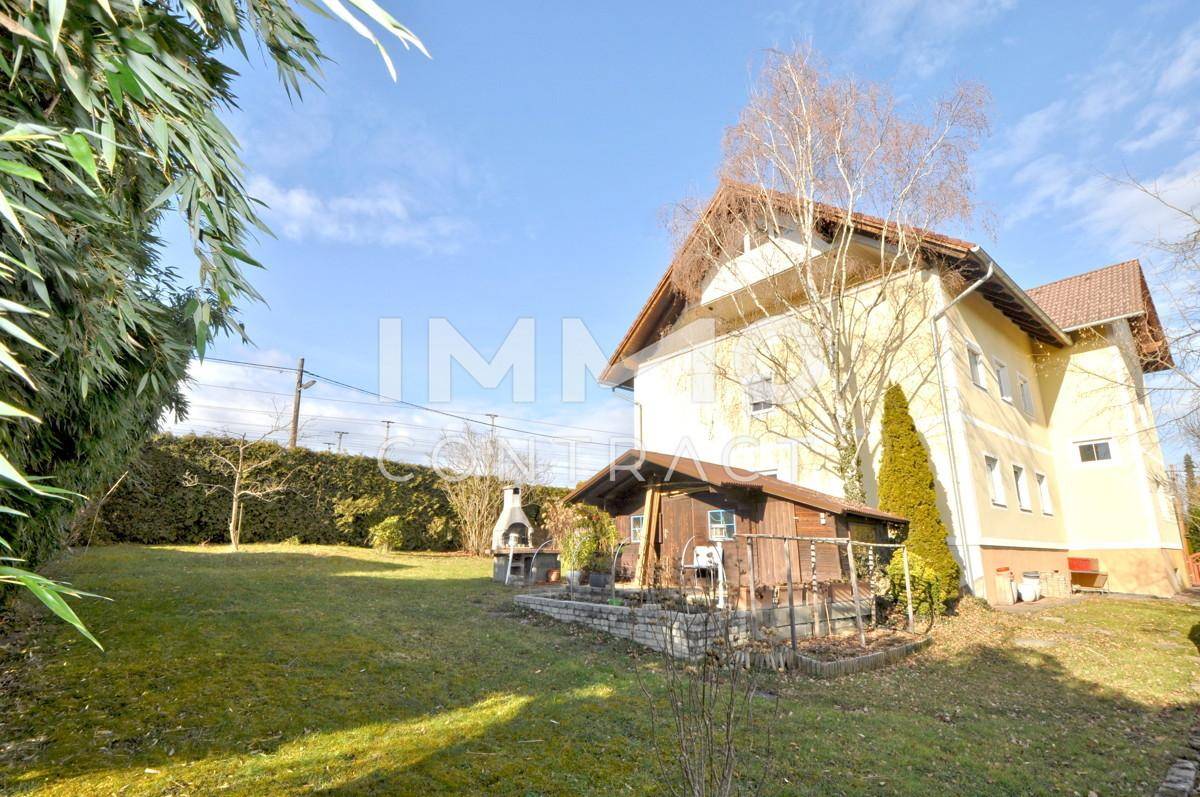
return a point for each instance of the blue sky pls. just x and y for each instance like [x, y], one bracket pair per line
[525, 169]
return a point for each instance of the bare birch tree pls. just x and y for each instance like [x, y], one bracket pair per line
[475, 466]
[821, 243]
[1179, 280]
[245, 462]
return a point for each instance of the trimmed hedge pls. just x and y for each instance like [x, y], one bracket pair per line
[331, 498]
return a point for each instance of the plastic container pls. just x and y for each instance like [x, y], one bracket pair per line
[1031, 586]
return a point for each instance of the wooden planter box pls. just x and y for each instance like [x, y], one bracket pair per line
[782, 658]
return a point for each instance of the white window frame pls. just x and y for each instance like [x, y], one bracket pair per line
[641, 527]
[1003, 379]
[1025, 394]
[1043, 485]
[1021, 483]
[749, 385]
[1078, 445]
[977, 366]
[732, 525]
[995, 480]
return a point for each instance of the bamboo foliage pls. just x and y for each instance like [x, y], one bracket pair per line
[108, 119]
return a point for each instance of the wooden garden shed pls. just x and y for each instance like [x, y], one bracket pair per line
[676, 504]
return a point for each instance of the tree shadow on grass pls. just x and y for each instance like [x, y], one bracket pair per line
[285, 675]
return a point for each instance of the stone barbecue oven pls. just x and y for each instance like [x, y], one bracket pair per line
[512, 529]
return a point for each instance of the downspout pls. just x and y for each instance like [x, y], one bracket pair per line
[960, 532]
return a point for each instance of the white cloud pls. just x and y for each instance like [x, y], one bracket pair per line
[1167, 123]
[1129, 218]
[382, 215]
[1026, 137]
[1048, 181]
[1185, 62]
[234, 399]
[916, 34]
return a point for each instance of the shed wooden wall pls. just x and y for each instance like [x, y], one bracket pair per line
[685, 525]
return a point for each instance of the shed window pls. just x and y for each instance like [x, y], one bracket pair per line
[760, 392]
[995, 479]
[720, 524]
[1095, 451]
[636, 523]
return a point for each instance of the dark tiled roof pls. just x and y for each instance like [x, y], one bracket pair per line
[1116, 291]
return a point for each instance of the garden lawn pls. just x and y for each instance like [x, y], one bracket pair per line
[296, 669]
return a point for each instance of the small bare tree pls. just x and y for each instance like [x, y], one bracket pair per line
[245, 463]
[816, 247]
[475, 466]
[713, 737]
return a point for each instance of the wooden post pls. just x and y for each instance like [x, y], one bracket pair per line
[812, 574]
[787, 557]
[645, 562]
[826, 602]
[871, 583]
[753, 590]
[862, 637]
[296, 404]
[907, 588]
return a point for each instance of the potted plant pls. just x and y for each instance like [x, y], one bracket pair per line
[582, 533]
[576, 546]
[600, 570]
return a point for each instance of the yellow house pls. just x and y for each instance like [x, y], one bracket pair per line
[1031, 403]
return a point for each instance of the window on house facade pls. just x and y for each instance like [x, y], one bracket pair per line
[1043, 485]
[1095, 451]
[978, 371]
[1025, 395]
[636, 522]
[1002, 380]
[995, 479]
[720, 524]
[1021, 482]
[760, 393]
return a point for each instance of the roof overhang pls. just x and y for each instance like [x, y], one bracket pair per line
[667, 303]
[629, 472]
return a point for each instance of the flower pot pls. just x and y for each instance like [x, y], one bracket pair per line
[573, 577]
[599, 580]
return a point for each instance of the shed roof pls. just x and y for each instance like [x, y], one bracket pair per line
[639, 466]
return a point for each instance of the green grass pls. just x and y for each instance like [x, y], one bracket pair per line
[292, 670]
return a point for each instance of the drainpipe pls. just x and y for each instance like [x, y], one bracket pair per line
[960, 532]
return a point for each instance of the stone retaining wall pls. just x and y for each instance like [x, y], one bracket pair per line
[682, 634]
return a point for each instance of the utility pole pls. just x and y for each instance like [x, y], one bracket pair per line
[340, 435]
[387, 432]
[301, 385]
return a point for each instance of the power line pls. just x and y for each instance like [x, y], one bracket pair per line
[446, 413]
[352, 419]
[281, 368]
[284, 369]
